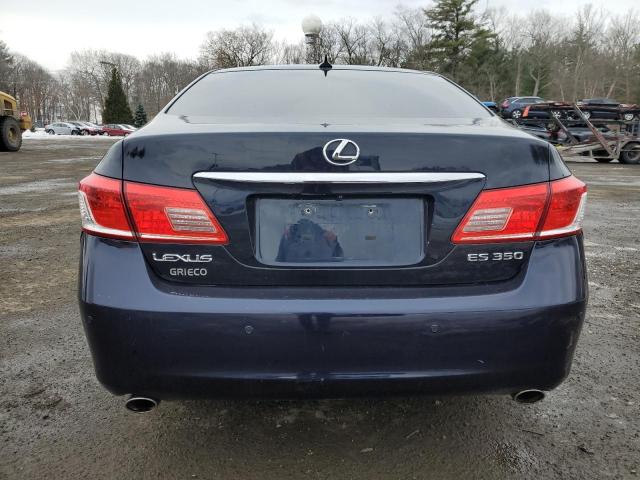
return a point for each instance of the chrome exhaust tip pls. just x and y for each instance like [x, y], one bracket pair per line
[529, 396]
[139, 404]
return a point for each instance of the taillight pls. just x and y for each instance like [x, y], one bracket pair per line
[158, 214]
[172, 215]
[505, 214]
[530, 212]
[102, 208]
[566, 208]
[505, 104]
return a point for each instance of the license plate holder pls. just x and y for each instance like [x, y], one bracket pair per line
[351, 232]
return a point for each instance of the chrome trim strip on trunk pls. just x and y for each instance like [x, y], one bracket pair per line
[339, 177]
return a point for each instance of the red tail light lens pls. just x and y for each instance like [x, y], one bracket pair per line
[503, 215]
[531, 212]
[566, 208]
[172, 215]
[102, 208]
[158, 214]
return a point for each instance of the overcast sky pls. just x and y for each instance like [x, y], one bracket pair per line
[47, 31]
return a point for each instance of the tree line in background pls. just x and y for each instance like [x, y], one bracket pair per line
[492, 53]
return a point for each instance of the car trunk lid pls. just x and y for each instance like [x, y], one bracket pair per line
[293, 218]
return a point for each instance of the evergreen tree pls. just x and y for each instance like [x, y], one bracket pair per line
[116, 107]
[140, 118]
[457, 35]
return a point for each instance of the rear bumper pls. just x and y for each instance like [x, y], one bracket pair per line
[152, 338]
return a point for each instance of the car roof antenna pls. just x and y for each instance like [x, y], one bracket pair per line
[325, 66]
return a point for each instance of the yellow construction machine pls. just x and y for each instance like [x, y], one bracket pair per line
[12, 123]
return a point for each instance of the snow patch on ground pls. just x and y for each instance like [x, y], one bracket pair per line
[41, 134]
[37, 186]
[74, 160]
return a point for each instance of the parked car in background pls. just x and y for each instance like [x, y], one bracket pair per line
[513, 107]
[386, 235]
[582, 134]
[493, 106]
[87, 128]
[605, 109]
[117, 130]
[537, 131]
[63, 128]
[600, 109]
[98, 129]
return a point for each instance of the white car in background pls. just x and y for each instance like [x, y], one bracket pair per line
[62, 128]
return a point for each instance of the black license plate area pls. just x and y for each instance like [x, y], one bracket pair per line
[351, 232]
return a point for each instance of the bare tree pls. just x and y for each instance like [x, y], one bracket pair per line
[543, 33]
[623, 45]
[288, 54]
[242, 47]
[353, 39]
[36, 89]
[415, 31]
[582, 49]
[386, 45]
[330, 44]
[160, 78]
[76, 93]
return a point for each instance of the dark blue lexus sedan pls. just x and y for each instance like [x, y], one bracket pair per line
[301, 231]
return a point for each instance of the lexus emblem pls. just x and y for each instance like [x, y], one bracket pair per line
[345, 153]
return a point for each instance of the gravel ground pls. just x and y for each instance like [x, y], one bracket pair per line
[56, 421]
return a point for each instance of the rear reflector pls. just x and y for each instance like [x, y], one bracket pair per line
[488, 219]
[159, 214]
[189, 220]
[530, 212]
[172, 215]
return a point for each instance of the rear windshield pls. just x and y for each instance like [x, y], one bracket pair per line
[294, 94]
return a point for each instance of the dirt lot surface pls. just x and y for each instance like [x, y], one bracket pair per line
[56, 421]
